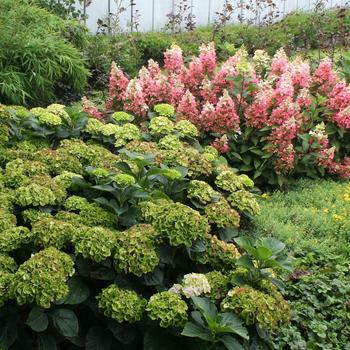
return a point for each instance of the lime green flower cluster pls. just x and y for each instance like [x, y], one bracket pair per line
[201, 191]
[135, 250]
[126, 133]
[121, 304]
[59, 110]
[172, 174]
[93, 126]
[18, 172]
[19, 111]
[257, 307]
[7, 264]
[42, 278]
[58, 162]
[229, 181]
[45, 117]
[124, 180]
[170, 142]
[122, 117]
[30, 216]
[5, 285]
[43, 190]
[109, 129]
[95, 243]
[177, 222]
[7, 220]
[99, 173]
[219, 254]
[144, 148]
[168, 308]
[185, 128]
[221, 214]
[164, 109]
[14, 237]
[91, 214]
[195, 284]
[244, 201]
[50, 232]
[197, 163]
[4, 134]
[65, 179]
[219, 285]
[210, 153]
[7, 199]
[160, 126]
[88, 154]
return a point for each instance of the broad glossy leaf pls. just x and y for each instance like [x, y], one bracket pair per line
[78, 291]
[46, 341]
[206, 307]
[194, 330]
[246, 262]
[273, 244]
[66, 322]
[263, 253]
[228, 319]
[231, 343]
[98, 338]
[37, 319]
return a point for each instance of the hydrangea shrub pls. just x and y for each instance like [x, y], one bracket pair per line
[110, 229]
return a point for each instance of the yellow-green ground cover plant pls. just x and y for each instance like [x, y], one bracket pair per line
[117, 235]
[312, 218]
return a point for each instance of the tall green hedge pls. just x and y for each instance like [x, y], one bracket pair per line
[39, 54]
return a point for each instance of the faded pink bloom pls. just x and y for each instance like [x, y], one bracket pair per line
[173, 60]
[222, 144]
[325, 77]
[90, 108]
[207, 56]
[134, 99]
[188, 108]
[118, 83]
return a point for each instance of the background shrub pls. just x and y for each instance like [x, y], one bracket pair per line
[37, 61]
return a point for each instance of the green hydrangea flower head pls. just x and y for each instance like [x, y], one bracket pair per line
[122, 117]
[59, 110]
[50, 232]
[196, 163]
[186, 129]
[172, 174]
[42, 191]
[257, 307]
[95, 243]
[126, 133]
[219, 285]
[4, 134]
[7, 264]
[211, 150]
[121, 304]
[220, 255]
[99, 173]
[135, 250]
[110, 129]
[30, 216]
[42, 278]
[18, 172]
[124, 180]
[244, 201]
[5, 285]
[246, 180]
[177, 222]
[221, 214]
[20, 111]
[194, 285]
[74, 203]
[14, 237]
[170, 142]
[164, 109]
[168, 308]
[93, 126]
[65, 179]
[7, 220]
[201, 191]
[229, 181]
[160, 126]
[7, 199]
[45, 117]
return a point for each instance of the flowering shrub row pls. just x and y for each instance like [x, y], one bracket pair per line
[109, 231]
[272, 117]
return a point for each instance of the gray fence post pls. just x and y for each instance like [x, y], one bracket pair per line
[153, 15]
[209, 10]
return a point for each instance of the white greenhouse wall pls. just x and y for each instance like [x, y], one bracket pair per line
[153, 12]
